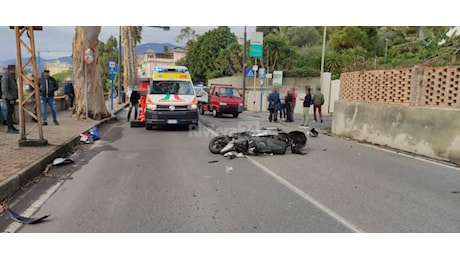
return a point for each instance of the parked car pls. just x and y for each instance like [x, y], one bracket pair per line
[220, 99]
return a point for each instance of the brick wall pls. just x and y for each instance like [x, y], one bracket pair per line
[423, 86]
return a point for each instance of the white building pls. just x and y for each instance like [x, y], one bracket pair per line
[147, 62]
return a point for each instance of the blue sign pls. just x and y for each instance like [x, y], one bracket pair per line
[249, 73]
[113, 70]
[261, 73]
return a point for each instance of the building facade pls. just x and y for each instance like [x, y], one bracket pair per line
[147, 62]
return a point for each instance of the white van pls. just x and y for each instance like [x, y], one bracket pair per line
[171, 98]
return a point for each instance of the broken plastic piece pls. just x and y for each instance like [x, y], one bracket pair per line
[59, 161]
[25, 220]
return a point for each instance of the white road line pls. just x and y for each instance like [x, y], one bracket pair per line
[407, 154]
[13, 227]
[302, 194]
[307, 197]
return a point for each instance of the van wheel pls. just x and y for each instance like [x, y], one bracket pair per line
[236, 115]
[214, 112]
[148, 126]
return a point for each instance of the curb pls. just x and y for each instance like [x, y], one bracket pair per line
[13, 183]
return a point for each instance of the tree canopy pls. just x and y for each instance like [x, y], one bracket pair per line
[297, 50]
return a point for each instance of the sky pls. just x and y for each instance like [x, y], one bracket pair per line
[56, 41]
[59, 28]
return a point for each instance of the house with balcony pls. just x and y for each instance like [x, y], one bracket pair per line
[147, 62]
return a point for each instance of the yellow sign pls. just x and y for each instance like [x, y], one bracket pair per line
[171, 75]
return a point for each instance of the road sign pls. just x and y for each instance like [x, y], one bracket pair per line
[89, 56]
[277, 78]
[249, 73]
[261, 73]
[255, 50]
[113, 69]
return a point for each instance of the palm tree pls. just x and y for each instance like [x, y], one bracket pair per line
[131, 36]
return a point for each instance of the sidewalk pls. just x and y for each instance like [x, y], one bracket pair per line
[20, 164]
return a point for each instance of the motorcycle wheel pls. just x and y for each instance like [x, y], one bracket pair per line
[217, 144]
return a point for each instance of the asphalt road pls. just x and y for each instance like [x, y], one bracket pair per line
[165, 180]
[134, 180]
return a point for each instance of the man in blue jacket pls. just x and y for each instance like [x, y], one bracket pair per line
[48, 85]
[273, 105]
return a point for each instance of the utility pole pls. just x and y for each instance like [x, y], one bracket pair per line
[322, 59]
[244, 67]
[24, 78]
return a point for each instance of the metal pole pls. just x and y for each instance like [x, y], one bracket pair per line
[244, 68]
[86, 90]
[111, 95]
[119, 65]
[322, 59]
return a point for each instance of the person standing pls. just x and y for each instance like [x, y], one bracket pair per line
[2, 105]
[306, 108]
[288, 104]
[273, 105]
[133, 103]
[69, 94]
[318, 101]
[9, 96]
[282, 106]
[48, 85]
[294, 99]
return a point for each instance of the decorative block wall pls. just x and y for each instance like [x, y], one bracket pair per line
[418, 86]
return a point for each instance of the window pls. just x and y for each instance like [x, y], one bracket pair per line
[172, 87]
[230, 92]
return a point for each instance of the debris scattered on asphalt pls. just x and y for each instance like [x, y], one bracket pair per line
[46, 172]
[313, 133]
[228, 169]
[213, 161]
[61, 161]
[3, 205]
[25, 220]
[90, 136]
[230, 155]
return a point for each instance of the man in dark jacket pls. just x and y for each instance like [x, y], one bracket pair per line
[133, 103]
[2, 104]
[306, 107]
[9, 96]
[69, 94]
[273, 105]
[48, 85]
[289, 107]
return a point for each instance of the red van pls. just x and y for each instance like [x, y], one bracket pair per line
[221, 99]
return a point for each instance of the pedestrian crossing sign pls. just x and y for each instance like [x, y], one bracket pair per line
[249, 73]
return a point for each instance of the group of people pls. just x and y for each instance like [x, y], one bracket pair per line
[282, 105]
[285, 105]
[47, 86]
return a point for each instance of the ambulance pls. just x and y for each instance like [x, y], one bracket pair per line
[171, 98]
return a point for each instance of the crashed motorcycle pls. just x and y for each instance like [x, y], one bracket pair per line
[267, 140]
